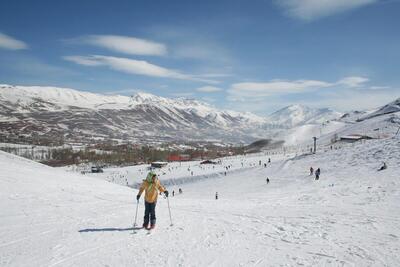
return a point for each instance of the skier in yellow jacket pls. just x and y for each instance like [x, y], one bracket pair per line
[151, 186]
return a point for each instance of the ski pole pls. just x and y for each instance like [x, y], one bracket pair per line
[169, 209]
[137, 205]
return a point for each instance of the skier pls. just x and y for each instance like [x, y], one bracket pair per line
[317, 173]
[265, 165]
[173, 193]
[384, 167]
[216, 195]
[269, 160]
[267, 180]
[151, 185]
[180, 191]
[311, 171]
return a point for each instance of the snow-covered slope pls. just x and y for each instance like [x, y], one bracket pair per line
[304, 133]
[62, 97]
[382, 126]
[295, 115]
[392, 107]
[347, 218]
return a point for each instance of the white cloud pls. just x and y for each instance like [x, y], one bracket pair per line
[309, 10]
[216, 75]
[379, 87]
[86, 61]
[346, 100]
[208, 89]
[246, 90]
[353, 81]
[124, 44]
[275, 87]
[7, 42]
[343, 95]
[131, 66]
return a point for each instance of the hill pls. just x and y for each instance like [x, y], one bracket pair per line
[348, 217]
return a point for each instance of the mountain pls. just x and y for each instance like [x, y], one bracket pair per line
[53, 113]
[392, 107]
[295, 115]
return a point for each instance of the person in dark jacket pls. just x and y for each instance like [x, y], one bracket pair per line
[317, 173]
[384, 167]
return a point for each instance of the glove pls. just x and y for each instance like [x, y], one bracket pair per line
[137, 197]
[166, 193]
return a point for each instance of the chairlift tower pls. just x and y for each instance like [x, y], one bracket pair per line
[315, 144]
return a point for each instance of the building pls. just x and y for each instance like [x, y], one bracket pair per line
[180, 157]
[353, 138]
[158, 164]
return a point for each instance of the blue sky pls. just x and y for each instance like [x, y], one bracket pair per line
[253, 56]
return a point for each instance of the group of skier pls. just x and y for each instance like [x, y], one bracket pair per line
[152, 188]
[317, 173]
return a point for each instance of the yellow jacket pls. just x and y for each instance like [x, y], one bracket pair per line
[151, 189]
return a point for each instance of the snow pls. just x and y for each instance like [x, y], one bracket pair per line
[55, 99]
[350, 217]
[295, 115]
[63, 97]
[386, 109]
[304, 133]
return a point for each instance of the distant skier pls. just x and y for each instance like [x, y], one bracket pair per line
[317, 173]
[384, 167]
[311, 171]
[180, 191]
[173, 193]
[151, 185]
[265, 165]
[216, 195]
[269, 160]
[267, 180]
[259, 162]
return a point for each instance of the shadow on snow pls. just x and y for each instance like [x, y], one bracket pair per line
[109, 229]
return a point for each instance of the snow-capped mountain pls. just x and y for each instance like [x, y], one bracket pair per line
[295, 115]
[392, 107]
[52, 112]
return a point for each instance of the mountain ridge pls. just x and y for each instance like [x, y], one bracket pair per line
[55, 112]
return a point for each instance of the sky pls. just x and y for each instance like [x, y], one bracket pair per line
[256, 56]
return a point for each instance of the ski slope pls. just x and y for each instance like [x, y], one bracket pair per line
[179, 172]
[350, 217]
